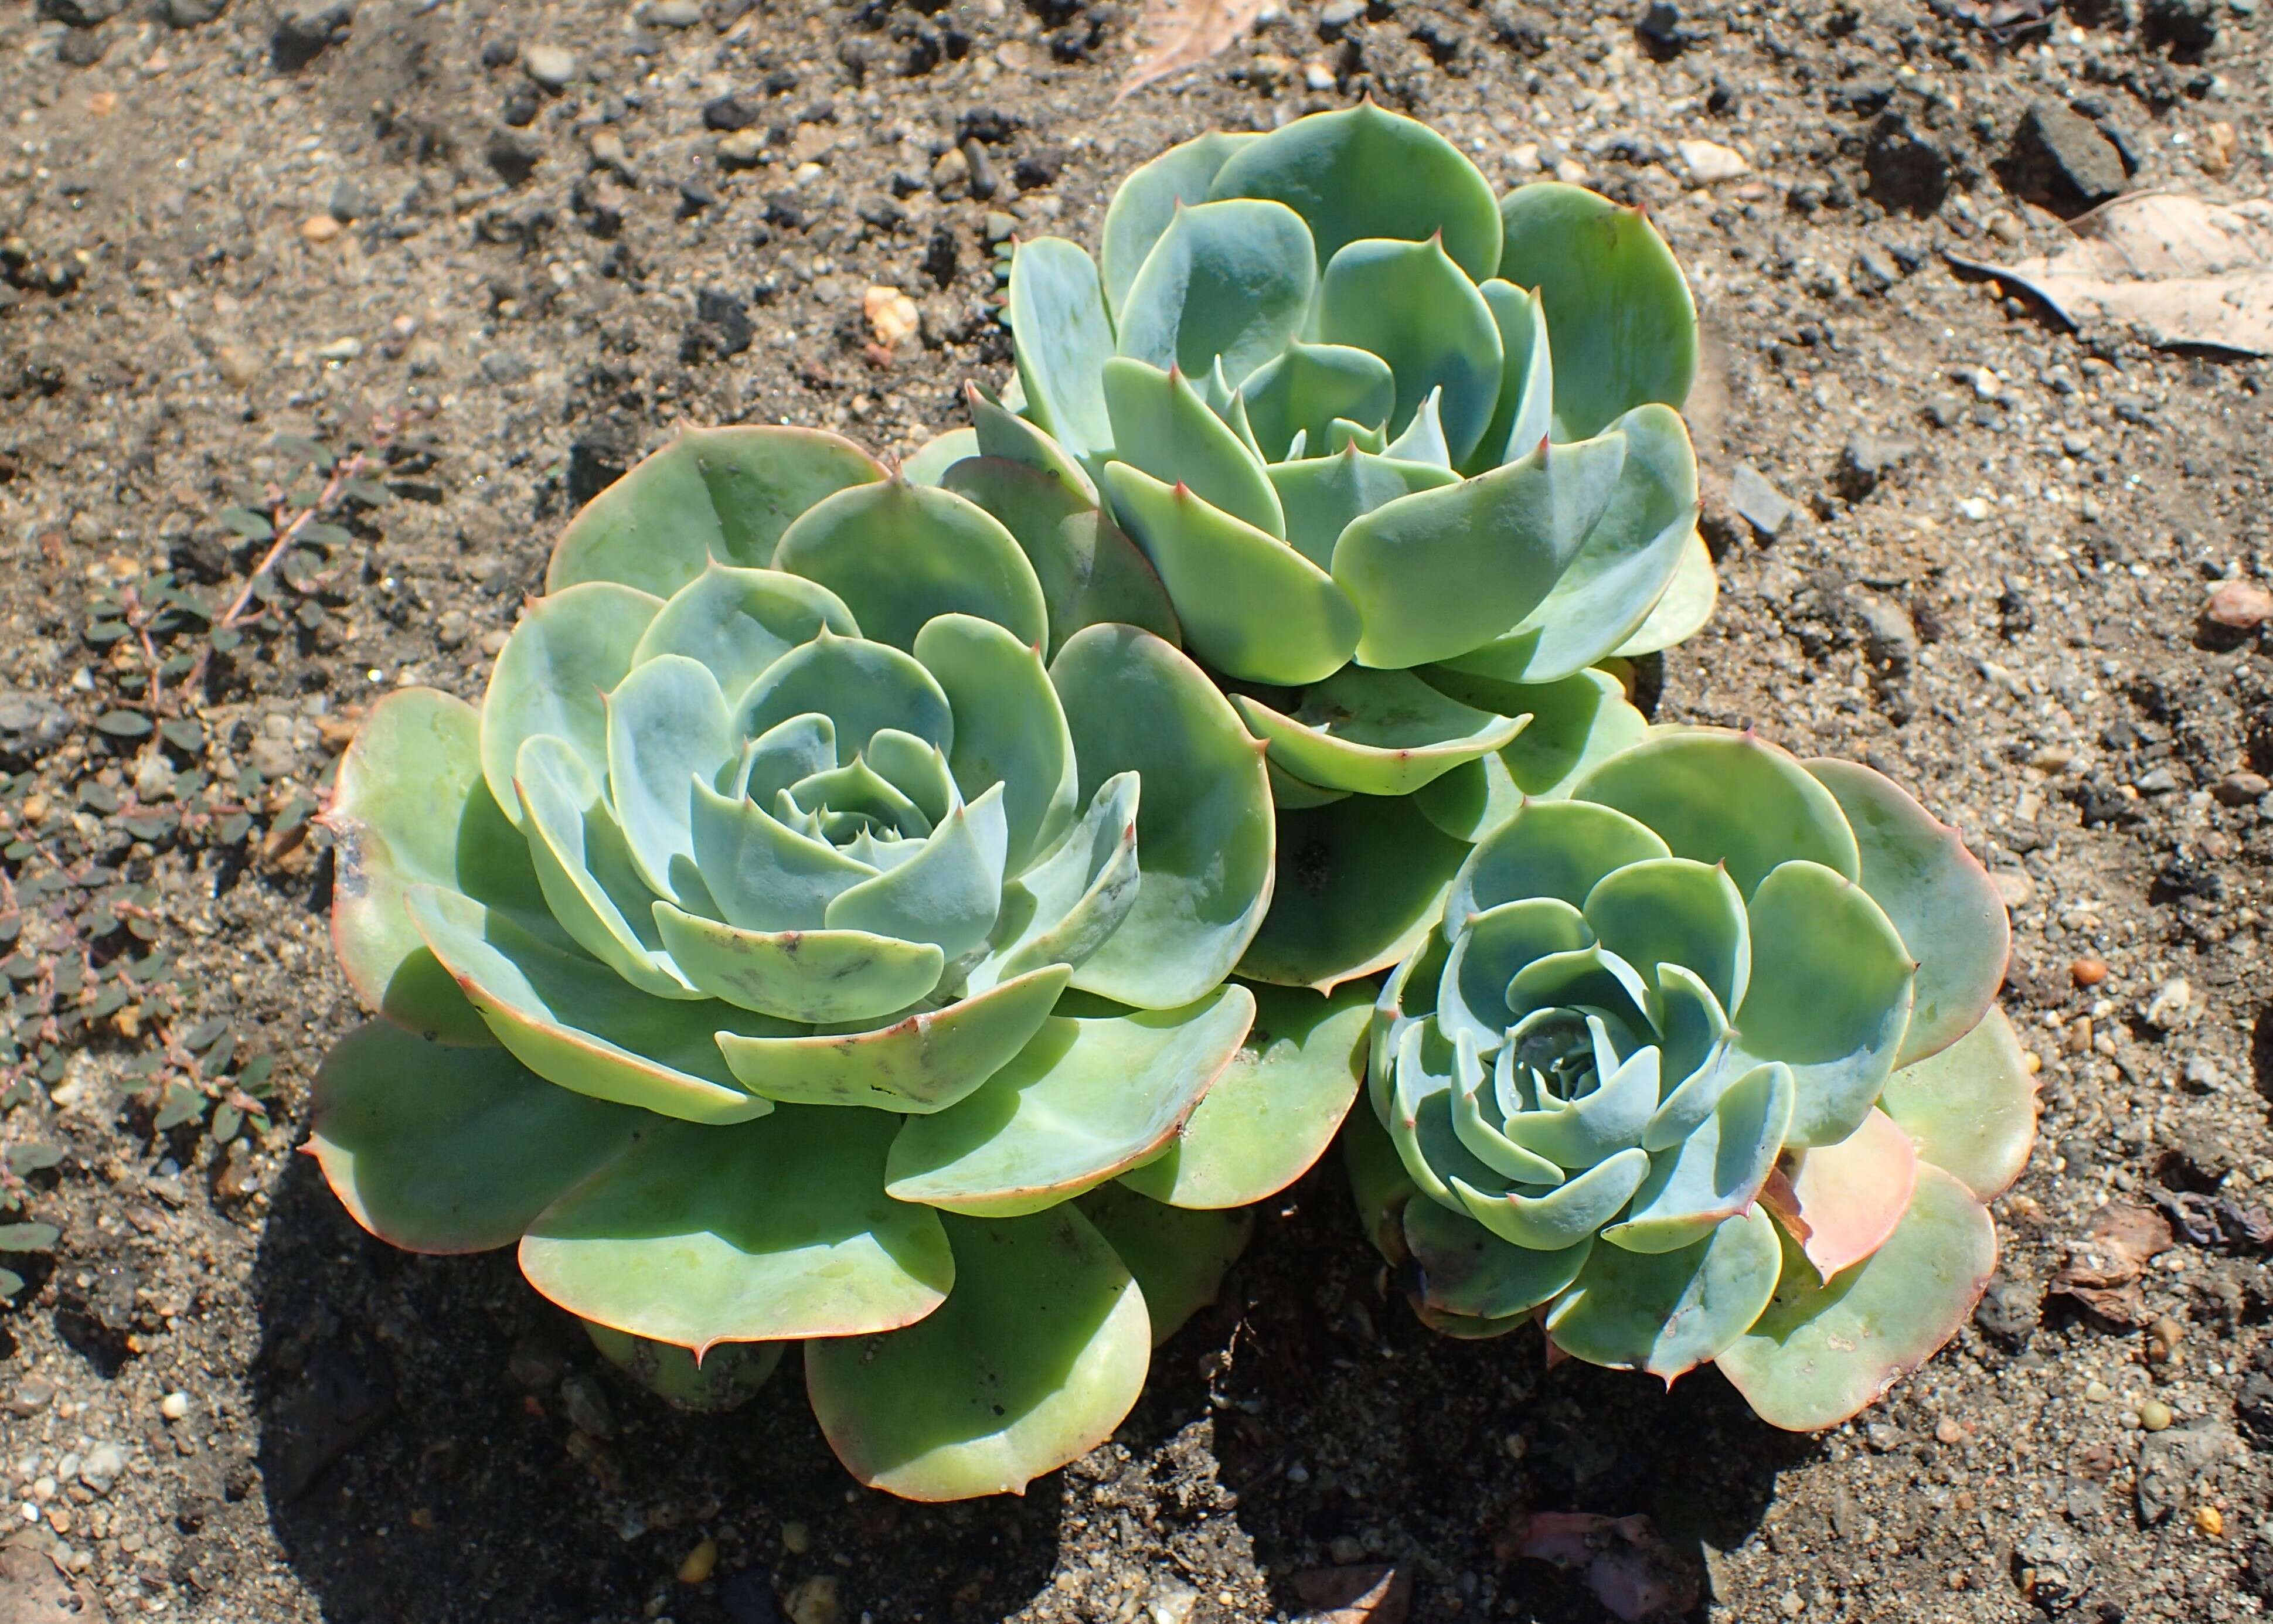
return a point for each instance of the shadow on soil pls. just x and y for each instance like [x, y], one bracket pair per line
[422, 1467]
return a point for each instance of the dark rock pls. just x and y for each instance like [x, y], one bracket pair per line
[2059, 156]
[2171, 1461]
[1866, 461]
[501, 53]
[780, 82]
[989, 125]
[941, 256]
[192, 13]
[513, 157]
[1872, 271]
[782, 211]
[1662, 33]
[519, 108]
[1909, 168]
[81, 14]
[305, 33]
[31, 725]
[1758, 502]
[82, 47]
[1040, 168]
[694, 198]
[597, 458]
[747, 1595]
[2186, 27]
[721, 327]
[2009, 1310]
[982, 181]
[348, 200]
[339, 1399]
[729, 113]
[201, 555]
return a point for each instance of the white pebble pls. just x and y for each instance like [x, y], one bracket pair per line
[174, 1406]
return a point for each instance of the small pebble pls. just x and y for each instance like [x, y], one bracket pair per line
[2087, 972]
[175, 1405]
[2210, 1520]
[1947, 1431]
[2239, 605]
[2096, 1392]
[2242, 789]
[2154, 1415]
[797, 1540]
[2163, 1338]
[699, 1563]
[549, 65]
[319, 227]
[814, 1601]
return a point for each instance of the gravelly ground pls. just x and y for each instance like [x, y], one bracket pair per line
[1999, 543]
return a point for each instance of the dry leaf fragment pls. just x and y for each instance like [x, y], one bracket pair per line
[1183, 33]
[2188, 273]
[2103, 1270]
[1370, 1593]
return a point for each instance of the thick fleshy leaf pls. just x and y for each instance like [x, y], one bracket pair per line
[1367, 172]
[1010, 729]
[1303, 388]
[1668, 1312]
[1830, 996]
[1558, 848]
[1178, 1255]
[452, 1150]
[571, 1021]
[1468, 1271]
[947, 894]
[1524, 413]
[1564, 1216]
[1067, 906]
[768, 1231]
[592, 886]
[1441, 573]
[859, 686]
[1625, 329]
[1939, 896]
[1841, 1201]
[1249, 605]
[570, 648]
[1231, 279]
[1411, 306]
[1084, 1100]
[928, 463]
[410, 807]
[1375, 732]
[1575, 724]
[1490, 949]
[738, 621]
[1032, 1362]
[1716, 1172]
[1092, 573]
[918, 1064]
[1971, 1109]
[1624, 568]
[1003, 433]
[1161, 426]
[787, 752]
[899, 554]
[1057, 310]
[764, 875]
[1360, 882]
[668, 732]
[723, 494]
[1721, 797]
[1423, 440]
[1603, 1122]
[1379, 1186]
[804, 976]
[728, 1376]
[1824, 1350]
[1684, 608]
[1273, 1110]
[1204, 834]
[1675, 910]
[1321, 496]
[1148, 200]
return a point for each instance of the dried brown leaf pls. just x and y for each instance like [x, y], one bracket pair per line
[1183, 33]
[2103, 1270]
[2189, 273]
[1370, 1593]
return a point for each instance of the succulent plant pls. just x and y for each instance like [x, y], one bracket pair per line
[1406, 460]
[785, 951]
[1704, 1064]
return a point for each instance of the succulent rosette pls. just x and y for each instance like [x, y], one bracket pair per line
[819, 933]
[1703, 1064]
[1406, 460]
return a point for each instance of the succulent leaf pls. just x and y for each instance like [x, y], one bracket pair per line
[1971, 1108]
[1229, 280]
[1058, 308]
[1179, 1256]
[1668, 1312]
[553, 675]
[1360, 881]
[1375, 732]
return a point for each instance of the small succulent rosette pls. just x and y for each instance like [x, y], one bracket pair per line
[819, 933]
[1405, 458]
[1705, 1065]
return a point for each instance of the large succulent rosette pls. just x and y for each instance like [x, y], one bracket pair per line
[819, 933]
[1406, 460]
[1705, 1065]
